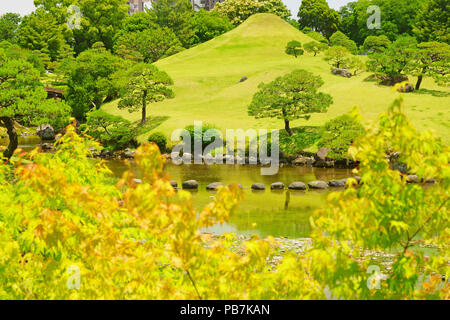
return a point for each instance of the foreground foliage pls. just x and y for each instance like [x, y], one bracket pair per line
[67, 231]
[387, 214]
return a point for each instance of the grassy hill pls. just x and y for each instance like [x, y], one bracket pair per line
[207, 84]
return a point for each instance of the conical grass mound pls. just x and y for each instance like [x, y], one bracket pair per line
[207, 83]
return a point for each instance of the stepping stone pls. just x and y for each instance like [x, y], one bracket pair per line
[277, 186]
[412, 179]
[297, 186]
[174, 184]
[214, 186]
[430, 180]
[337, 183]
[258, 186]
[190, 184]
[317, 184]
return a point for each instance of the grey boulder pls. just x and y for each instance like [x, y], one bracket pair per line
[214, 186]
[317, 184]
[277, 186]
[298, 185]
[46, 132]
[341, 72]
[258, 186]
[190, 184]
[337, 183]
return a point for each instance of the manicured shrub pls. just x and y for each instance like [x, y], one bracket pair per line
[338, 135]
[159, 139]
[113, 132]
[203, 138]
[340, 39]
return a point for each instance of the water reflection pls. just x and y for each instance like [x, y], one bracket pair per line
[264, 212]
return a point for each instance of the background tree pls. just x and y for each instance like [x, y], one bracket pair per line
[294, 48]
[128, 54]
[41, 31]
[9, 24]
[318, 16]
[391, 65]
[23, 99]
[431, 59]
[89, 79]
[348, 15]
[289, 97]
[315, 47]
[144, 84]
[398, 18]
[175, 15]
[100, 20]
[337, 56]
[58, 8]
[376, 44]
[340, 39]
[237, 11]
[433, 21]
[208, 25]
[152, 44]
[355, 64]
[16, 52]
[138, 21]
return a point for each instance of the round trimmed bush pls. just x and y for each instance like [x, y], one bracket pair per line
[205, 140]
[159, 139]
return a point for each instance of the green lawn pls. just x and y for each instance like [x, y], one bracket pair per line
[207, 84]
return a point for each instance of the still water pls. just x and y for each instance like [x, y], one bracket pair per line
[276, 213]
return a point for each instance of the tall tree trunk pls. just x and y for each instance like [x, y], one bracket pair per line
[419, 82]
[286, 122]
[287, 127]
[12, 134]
[144, 107]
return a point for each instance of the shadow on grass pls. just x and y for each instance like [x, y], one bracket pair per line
[434, 93]
[150, 124]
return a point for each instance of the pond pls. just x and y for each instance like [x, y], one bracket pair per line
[276, 213]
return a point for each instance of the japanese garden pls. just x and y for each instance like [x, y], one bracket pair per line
[225, 150]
